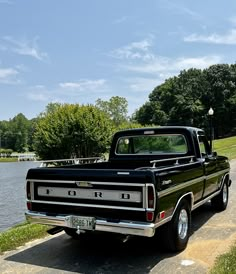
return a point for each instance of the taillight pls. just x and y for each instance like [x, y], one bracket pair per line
[149, 216]
[29, 205]
[150, 203]
[28, 193]
[150, 197]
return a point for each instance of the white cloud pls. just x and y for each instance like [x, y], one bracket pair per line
[135, 50]
[177, 8]
[172, 66]
[83, 85]
[26, 47]
[197, 62]
[8, 76]
[120, 20]
[7, 72]
[214, 38]
[67, 91]
[138, 57]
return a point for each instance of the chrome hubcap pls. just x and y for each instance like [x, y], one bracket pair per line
[183, 224]
[225, 194]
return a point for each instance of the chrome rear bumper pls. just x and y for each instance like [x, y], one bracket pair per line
[123, 227]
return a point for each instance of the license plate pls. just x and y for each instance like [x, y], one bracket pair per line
[82, 222]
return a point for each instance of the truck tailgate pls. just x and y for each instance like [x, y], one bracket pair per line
[109, 194]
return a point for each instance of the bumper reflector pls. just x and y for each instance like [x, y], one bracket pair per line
[149, 216]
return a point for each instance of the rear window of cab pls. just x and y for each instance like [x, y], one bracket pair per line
[152, 144]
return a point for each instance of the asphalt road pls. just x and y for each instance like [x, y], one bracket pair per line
[212, 234]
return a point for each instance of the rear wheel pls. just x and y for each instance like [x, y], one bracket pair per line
[178, 229]
[220, 201]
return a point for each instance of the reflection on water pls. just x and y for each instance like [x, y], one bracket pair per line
[12, 192]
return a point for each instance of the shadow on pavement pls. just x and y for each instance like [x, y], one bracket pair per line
[103, 253]
[95, 254]
[202, 215]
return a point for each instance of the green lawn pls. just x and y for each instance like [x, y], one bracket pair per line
[226, 147]
[21, 234]
[4, 160]
[225, 263]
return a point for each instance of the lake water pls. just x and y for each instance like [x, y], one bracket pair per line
[12, 192]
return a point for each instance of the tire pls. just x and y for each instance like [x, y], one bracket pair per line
[178, 229]
[220, 201]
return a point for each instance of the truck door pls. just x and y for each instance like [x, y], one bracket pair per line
[209, 165]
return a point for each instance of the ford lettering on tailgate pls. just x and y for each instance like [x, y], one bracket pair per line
[98, 194]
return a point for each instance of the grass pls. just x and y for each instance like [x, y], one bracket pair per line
[226, 147]
[4, 160]
[21, 234]
[225, 263]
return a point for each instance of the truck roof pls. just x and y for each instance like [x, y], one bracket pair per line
[161, 129]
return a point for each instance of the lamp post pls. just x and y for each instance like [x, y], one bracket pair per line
[211, 113]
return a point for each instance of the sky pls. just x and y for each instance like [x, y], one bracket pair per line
[74, 51]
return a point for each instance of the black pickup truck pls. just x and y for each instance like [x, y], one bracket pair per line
[154, 177]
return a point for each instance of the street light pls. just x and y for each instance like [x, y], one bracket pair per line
[211, 113]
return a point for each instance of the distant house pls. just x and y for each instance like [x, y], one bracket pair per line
[28, 156]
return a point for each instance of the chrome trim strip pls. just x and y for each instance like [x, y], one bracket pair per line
[173, 159]
[186, 194]
[164, 221]
[186, 184]
[180, 186]
[217, 173]
[88, 205]
[123, 227]
[32, 190]
[206, 199]
[174, 166]
[123, 173]
[167, 219]
[223, 179]
[91, 182]
[146, 196]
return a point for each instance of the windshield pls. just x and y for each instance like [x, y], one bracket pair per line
[152, 144]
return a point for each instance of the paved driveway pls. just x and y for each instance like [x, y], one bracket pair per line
[212, 234]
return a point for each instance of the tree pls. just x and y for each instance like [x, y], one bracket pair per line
[186, 99]
[220, 94]
[17, 133]
[72, 131]
[116, 108]
[150, 113]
